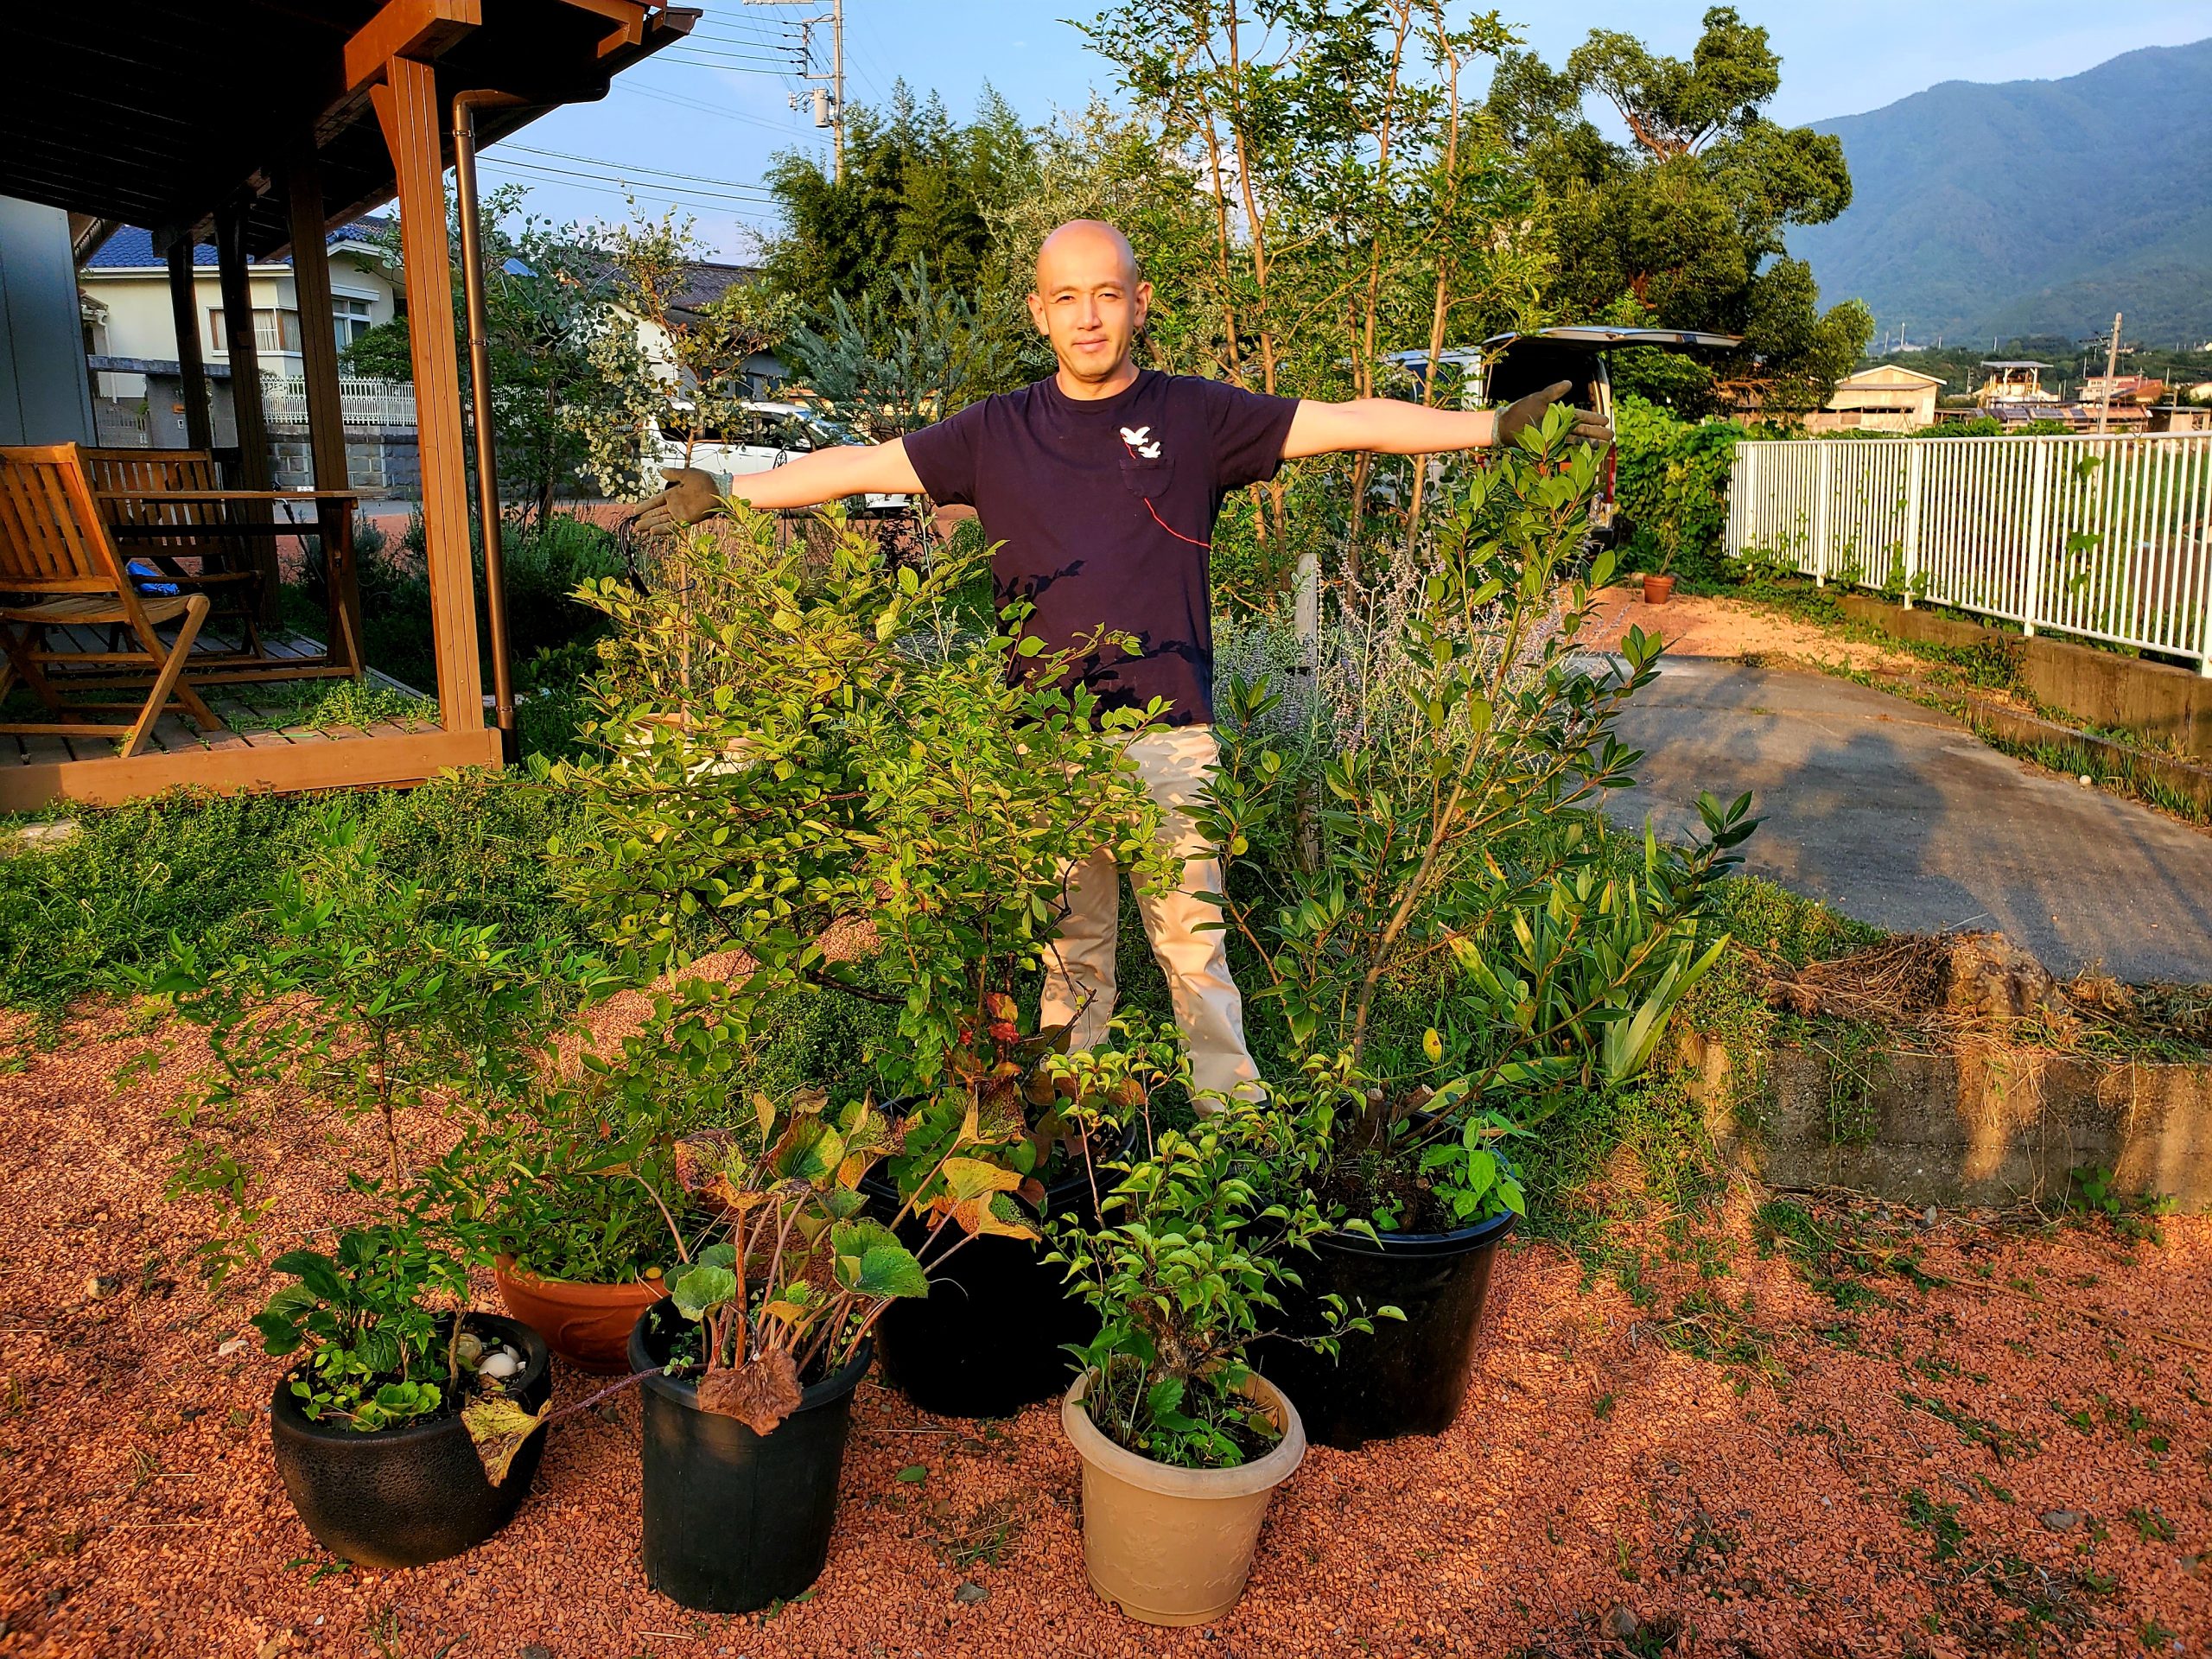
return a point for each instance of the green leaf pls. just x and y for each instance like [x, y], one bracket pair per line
[701, 1289]
[869, 1260]
[915, 1474]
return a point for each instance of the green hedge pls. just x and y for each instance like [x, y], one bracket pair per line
[1673, 487]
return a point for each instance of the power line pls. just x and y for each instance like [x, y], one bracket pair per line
[661, 95]
[531, 172]
[629, 166]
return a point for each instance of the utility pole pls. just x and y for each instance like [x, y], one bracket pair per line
[2112, 370]
[829, 101]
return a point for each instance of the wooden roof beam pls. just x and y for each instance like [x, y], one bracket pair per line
[628, 18]
[407, 28]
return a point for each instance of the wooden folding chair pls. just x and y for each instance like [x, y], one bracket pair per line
[128, 485]
[59, 568]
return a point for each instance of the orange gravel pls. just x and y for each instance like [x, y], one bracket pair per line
[1601, 1479]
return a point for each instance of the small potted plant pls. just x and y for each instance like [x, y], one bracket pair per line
[367, 1425]
[1183, 1443]
[749, 1364]
[583, 1221]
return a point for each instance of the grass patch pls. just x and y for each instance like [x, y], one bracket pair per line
[77, 914]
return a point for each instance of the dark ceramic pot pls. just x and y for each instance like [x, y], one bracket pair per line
[1404, 1378]
[401, 1496]
[735, 1521]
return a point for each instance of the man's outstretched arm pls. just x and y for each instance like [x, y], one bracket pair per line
[807, 481]
[1387, 426]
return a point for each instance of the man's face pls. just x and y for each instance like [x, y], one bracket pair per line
[1089, 302]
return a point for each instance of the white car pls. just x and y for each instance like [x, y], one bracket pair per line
[764, 435]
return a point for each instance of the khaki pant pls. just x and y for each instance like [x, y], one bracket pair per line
[1079, 971]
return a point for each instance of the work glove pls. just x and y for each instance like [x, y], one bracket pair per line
[1589, 427]
[692, 495]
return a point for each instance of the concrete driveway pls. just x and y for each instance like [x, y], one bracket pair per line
[1900, 816]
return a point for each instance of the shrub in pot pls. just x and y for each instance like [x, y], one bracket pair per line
[910, 779]
[748, 1366]
[1413, 862]
[365, 1008]
[1183, 1443]
[367, 1426]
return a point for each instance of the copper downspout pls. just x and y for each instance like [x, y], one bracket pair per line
[465, 105]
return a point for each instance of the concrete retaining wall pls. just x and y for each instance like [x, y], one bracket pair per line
[2098, 688]
[1990, 1125]
[379, 460]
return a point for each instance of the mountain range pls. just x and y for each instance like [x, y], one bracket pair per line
[2032, 206]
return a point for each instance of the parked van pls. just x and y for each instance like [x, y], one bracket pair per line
[764, 435]
[1510, 365]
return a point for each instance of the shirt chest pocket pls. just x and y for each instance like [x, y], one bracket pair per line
[1148, 477]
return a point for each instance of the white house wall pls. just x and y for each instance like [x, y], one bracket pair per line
[140, 323]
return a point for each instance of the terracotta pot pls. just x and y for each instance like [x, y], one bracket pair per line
[587, 1324]
[1173, 1546]
[1658, 590]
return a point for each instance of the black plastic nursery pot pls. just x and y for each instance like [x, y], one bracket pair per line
[393, 1498]
[736, 1521]
[1405, 1378]
[991, 1336]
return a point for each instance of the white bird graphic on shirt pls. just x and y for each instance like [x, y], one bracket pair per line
[1135, 439]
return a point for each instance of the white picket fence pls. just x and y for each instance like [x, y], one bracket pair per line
[2106, 537]
[364, 403]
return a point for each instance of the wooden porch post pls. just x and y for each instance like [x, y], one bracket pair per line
[246, 411]
[325, 407]
[192, 367]
[407, 106]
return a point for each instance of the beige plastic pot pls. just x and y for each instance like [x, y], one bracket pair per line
[1173, 1546]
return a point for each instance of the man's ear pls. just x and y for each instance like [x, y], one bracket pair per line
[1144, 302]
[1037, 314]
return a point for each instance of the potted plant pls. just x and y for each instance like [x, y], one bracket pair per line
[366, 1009]
[1412, 867]
[582, 1215]
[367, 1425]
[1183, 1443]
[749, 1365]
[908, 774]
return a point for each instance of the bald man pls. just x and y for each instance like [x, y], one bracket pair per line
[1101, 484]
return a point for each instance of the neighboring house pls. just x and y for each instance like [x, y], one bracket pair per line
[126, 284]
[1887, 398]
[2125, 389]
[705, 281]
[2012, 380]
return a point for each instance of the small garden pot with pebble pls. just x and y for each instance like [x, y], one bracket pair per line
[588, 1324]
[368, 1429]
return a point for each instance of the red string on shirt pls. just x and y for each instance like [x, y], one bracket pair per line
[1171, 528]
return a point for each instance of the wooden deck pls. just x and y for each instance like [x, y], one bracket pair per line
[270, 752]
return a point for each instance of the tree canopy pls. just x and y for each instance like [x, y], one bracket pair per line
[1683, 225]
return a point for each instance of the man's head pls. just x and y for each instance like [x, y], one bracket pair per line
[1090, 300]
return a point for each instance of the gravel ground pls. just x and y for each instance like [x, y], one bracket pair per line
[2014, 1461]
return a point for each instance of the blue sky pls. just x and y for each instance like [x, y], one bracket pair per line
[718, 118]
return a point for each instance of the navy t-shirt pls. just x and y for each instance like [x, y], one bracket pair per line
[1105, 511]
